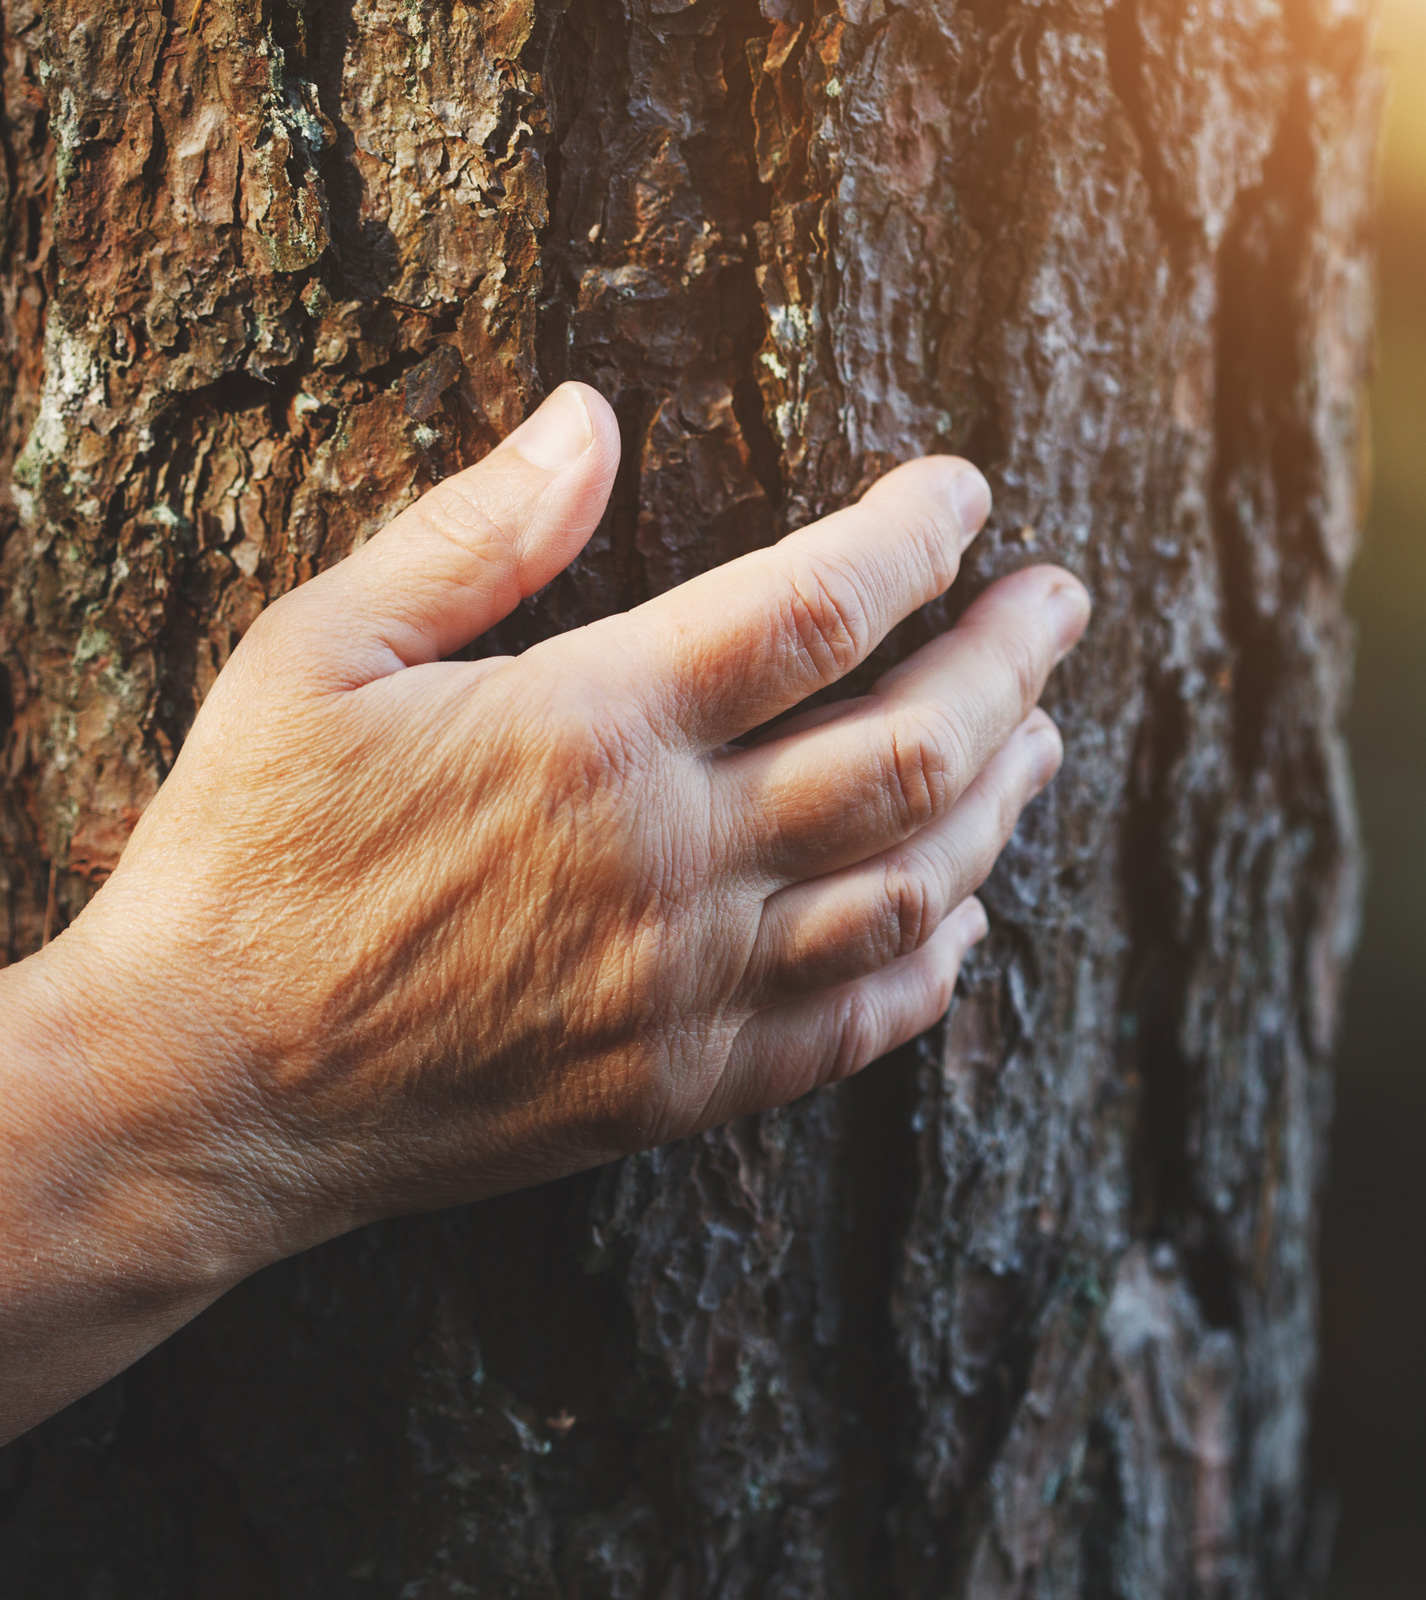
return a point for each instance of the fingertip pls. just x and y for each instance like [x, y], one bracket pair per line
[970, 495]
[457, 560]
[601, 413]
[1049, 593]
[969, 923]
[572, 422]
[572, 439]
[1070, 608]
[1064, 597]
[1047, 745]
[604, 450]
[950, 482]
[557, 432]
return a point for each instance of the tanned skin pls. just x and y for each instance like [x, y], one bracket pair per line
[399, 931]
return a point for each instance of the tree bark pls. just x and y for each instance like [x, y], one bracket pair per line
[1027, 1310]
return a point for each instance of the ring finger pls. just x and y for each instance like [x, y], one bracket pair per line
[829, 930]
[830, 795]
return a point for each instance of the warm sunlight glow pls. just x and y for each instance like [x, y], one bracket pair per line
[1403, 47]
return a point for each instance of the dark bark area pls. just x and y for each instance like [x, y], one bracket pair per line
[1027, 1310]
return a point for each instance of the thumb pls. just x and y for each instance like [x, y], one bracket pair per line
[472, 548]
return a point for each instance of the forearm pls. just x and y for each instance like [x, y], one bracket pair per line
[115, 1226]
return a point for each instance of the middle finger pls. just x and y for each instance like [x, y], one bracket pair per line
[847, 789]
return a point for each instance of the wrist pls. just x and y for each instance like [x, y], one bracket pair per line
[167, 1071]
[126, 1210]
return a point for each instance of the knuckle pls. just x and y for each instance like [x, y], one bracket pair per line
[828, 617]
[262, 643]
[602, 752]
[632, 1104]
[856, 1034]
[278, 641]
[585, 741]
[913, 911]
[924, 759]
[454, 511]
[276, 622]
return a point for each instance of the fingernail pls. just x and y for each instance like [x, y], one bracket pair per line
[1068, 607]
[970, 495]
[558, 434]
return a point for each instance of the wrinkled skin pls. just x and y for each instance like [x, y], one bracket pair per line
[402, 931]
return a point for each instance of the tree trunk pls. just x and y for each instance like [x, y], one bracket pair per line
[1027, 1310]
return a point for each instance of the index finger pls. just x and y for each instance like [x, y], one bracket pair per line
[738, 645]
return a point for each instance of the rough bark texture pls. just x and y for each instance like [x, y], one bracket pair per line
[1026, 1311]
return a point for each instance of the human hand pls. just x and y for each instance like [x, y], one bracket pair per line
[401, 931]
